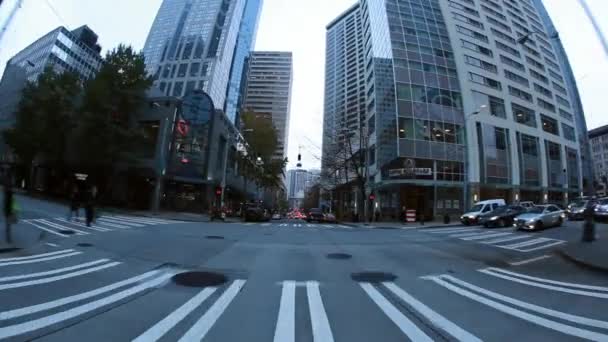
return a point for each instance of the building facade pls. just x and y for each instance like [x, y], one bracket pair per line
[467, 100]
[202, 44]
[268, 91]
[299, 181]
[598, 139]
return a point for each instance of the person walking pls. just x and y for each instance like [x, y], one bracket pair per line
[88, 207]
[73, 204]
[9, 213]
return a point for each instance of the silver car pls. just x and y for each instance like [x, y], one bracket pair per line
[539, 217]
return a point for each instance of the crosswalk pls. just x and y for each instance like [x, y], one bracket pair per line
[63, 227]
[294, 308]
[502, 238]
[297, 225]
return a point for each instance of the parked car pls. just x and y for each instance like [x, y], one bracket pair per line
[600, 212]
[542, 216]
[329, 218]
[480, 208]
[502, 216]
[576, 209]
[276, 216]
[256, 213]
[527, 205]
[315, 214]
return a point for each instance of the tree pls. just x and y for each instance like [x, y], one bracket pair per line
[107, 134]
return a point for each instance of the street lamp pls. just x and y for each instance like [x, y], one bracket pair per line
[466, 157]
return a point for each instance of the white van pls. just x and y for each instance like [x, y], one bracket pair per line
[480, 208]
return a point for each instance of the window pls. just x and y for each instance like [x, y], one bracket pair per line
[471, 33]
[556, 76]
[516, 78]
[562, 101]
[559, 88]
[535, 63]
[465, 19]
[463, 8]
[177, 88]
[371, 124]
[372, 155]
[520, 93]
[485, 81]
[194, 69]
[549, 124]
[545, 105]
[546, 92]
[406, 128]
[421, 130]
[493, 12]
[497, 107]
[523, 115]
[539, 76]
[476, 48]
[510, 62]
[480, 64]
[504, 36]
[498, 24]
[568, 132]
[419, 93]
[552, 64]
[506, 48]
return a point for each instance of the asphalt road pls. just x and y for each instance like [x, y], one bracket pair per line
[129, 279]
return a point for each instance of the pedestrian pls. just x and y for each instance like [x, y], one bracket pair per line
[73, 203]
[88, 207]
[9, 214]
[403, 215]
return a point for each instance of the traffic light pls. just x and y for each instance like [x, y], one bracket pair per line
[372, 197]
[218, 191]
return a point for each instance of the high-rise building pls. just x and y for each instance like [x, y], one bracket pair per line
[344, 103]
[268, 91]
[202, 44]
[599, 150]
[299, 181]
[468, 100]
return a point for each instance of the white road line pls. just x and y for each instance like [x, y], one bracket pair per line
[459, 235]
[82, 225]
[525, 243]
[549, 281]
[265, 224]
[343, 226]
[33, 325]
[139, 219]
[436, 319]
[564, 328]
[321, 331]
[198, 331]
[449, 230]
[285, 328]
[283, 225]
[506, 239]
[161, 328]
[327, 226]
[56, 278]
[545, 286]
[528, 261]
[35, 256]
[11, 314]
[311, 225]
[47, 229]
[249, 224]
[557, 242]
[406, 326]
[297, 225]
[117, 221]
[55, 271]
[60, 227]
[64, 255]
[51, 244]
[96, 224]
[483, 237]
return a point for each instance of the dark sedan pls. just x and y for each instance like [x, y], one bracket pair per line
[502, 216]
[315, 214]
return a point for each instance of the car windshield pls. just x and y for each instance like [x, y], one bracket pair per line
[501, 209]
[476, 208]
[579, 203]
[537, 210]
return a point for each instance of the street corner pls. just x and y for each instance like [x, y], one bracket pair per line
[588, 255]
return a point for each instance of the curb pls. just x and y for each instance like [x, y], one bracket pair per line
[581, 263]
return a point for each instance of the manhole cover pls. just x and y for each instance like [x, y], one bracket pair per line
[9, 249]
[67, 232]
[214, 237]
[199, 279]
[339, 256]
[84, 244]
[373, 277]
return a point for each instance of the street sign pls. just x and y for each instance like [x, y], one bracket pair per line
[81, 176]
[417, 171]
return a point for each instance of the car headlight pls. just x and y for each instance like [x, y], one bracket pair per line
[494, 218]
[472, 217]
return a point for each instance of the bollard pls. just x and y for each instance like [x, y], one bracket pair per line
[589, 225]
[446, 219]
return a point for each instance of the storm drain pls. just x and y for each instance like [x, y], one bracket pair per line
[373, 277]
[84, 244]
[67, 232]
[214, 237]
[340, 256]
[199, 279]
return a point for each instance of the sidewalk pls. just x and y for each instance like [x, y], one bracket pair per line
[591, 255]
[402, 225]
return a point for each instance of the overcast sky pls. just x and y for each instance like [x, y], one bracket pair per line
[297, 26]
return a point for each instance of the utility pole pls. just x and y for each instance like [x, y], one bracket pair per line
[10, 18]
[596, 26]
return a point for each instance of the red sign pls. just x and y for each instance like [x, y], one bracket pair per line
[182, 127]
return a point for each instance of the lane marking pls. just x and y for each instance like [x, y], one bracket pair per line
[120, 221]
[51, 244]
[311, 225]
[321, 331]
[60, 227]
[459, 235]
[482, 237]
[449, 230]
[55, 271]
[144, 220]
[285, 328]
[37, 255]
[56, 278]
[563, 328]
[528, 261]
[436, 319]
[249, 224]
[82, 225]
[96, 224]
[283, 225]
[6, 315]
[64, 255]
[404, 324]
[265, 224]
[36, 324]
[525, 243]
[343, 226]
[511, 238]
[47, 229]
[161, 328]
[558, 242]
[327, 226]
[198, 331]
[549, 281]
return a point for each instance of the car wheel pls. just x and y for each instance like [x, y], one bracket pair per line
[560, 222]
[538, 225]
[501, 223]
[466, 223]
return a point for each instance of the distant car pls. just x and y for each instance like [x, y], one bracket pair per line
[480, 208]
[276, 216]
[600, 212]
[527, 205]
[502, 216]
[576, 209]
[315, 214]
[542, 216]
[256, 213]
[330, 218]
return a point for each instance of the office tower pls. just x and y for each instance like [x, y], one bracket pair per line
[268, 91]
[202, 44]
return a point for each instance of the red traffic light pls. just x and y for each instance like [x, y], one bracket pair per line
[218, 190]
[372, 197]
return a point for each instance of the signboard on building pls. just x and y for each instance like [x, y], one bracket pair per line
[409, 169]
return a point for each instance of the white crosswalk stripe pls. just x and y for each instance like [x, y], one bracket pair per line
[39, 258]
[525, 243]
[60, 227]
[485, 236]
[55, 271]
[489, 298]
[119, 221]
[93, 227]
[506, 239]
[321, 331]
[286, 327]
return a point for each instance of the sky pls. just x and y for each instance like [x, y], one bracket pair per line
[297, 26]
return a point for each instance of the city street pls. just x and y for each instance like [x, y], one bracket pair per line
[292, 281]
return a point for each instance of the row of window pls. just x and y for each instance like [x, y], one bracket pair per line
[420, 93]
[427, 130]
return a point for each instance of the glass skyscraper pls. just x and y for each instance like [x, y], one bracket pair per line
[202, 44]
